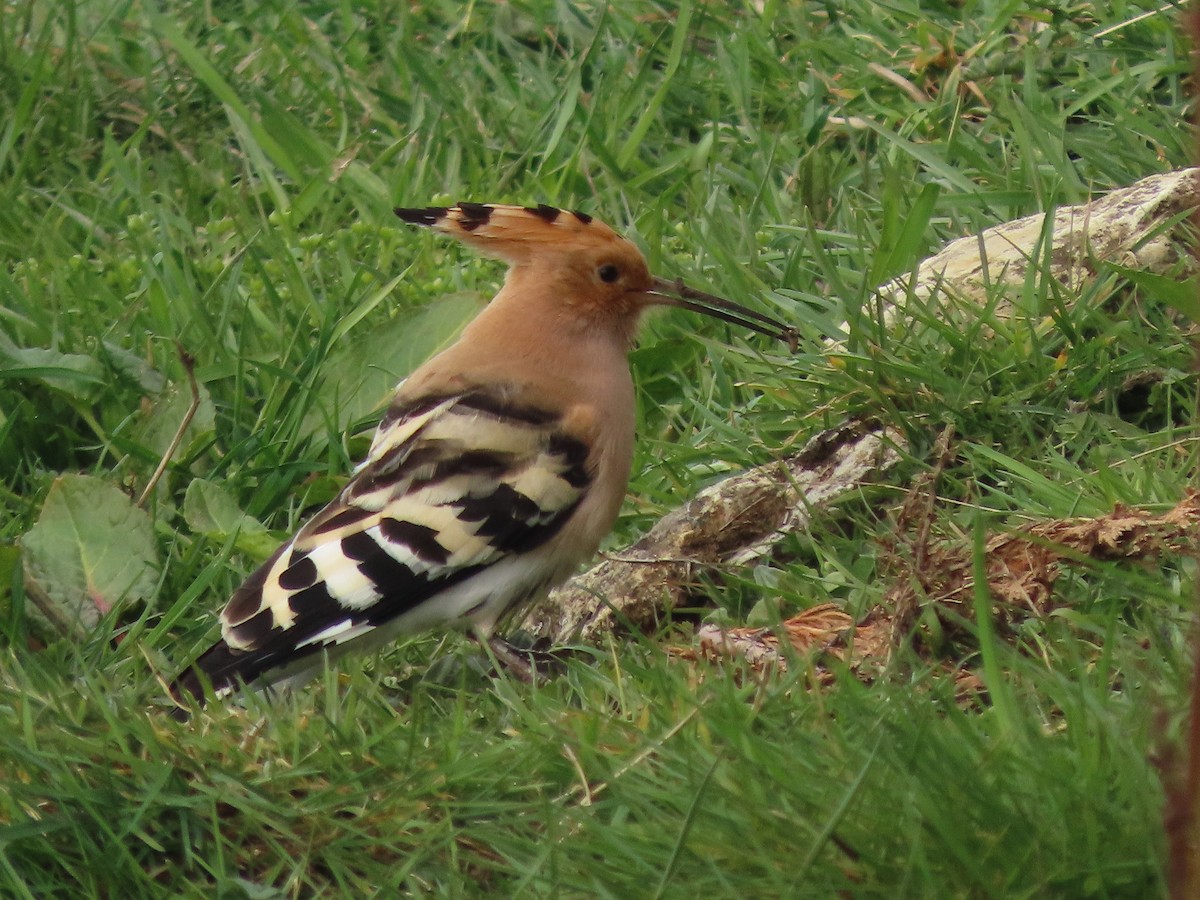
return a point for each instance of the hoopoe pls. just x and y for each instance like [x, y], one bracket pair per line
[499, 466]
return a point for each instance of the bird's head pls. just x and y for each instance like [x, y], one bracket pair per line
[579, 259]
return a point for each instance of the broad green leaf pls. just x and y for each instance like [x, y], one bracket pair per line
[90, 550]
[134, 367]
[765, 613]
[362, 372]
[212, 511]
[72, 373]
[157, 428]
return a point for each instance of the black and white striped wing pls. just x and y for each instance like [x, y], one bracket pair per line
[440, 526]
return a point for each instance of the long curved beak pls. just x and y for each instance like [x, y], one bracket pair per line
[677, 294]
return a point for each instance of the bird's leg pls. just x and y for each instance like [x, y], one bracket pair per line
[516, 661]
[524, 663]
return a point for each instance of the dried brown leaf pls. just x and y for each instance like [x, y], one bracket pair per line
[1022, 567]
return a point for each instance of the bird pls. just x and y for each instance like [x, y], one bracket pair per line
[497, 469]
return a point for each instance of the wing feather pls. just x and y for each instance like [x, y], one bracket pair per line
[452, 486]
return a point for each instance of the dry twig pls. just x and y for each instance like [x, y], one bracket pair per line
[189, 366]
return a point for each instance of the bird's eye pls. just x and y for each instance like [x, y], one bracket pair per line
[608, 273]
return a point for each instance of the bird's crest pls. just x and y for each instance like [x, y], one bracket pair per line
[512, 233]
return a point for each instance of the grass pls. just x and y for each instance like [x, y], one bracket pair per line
[221, 175]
